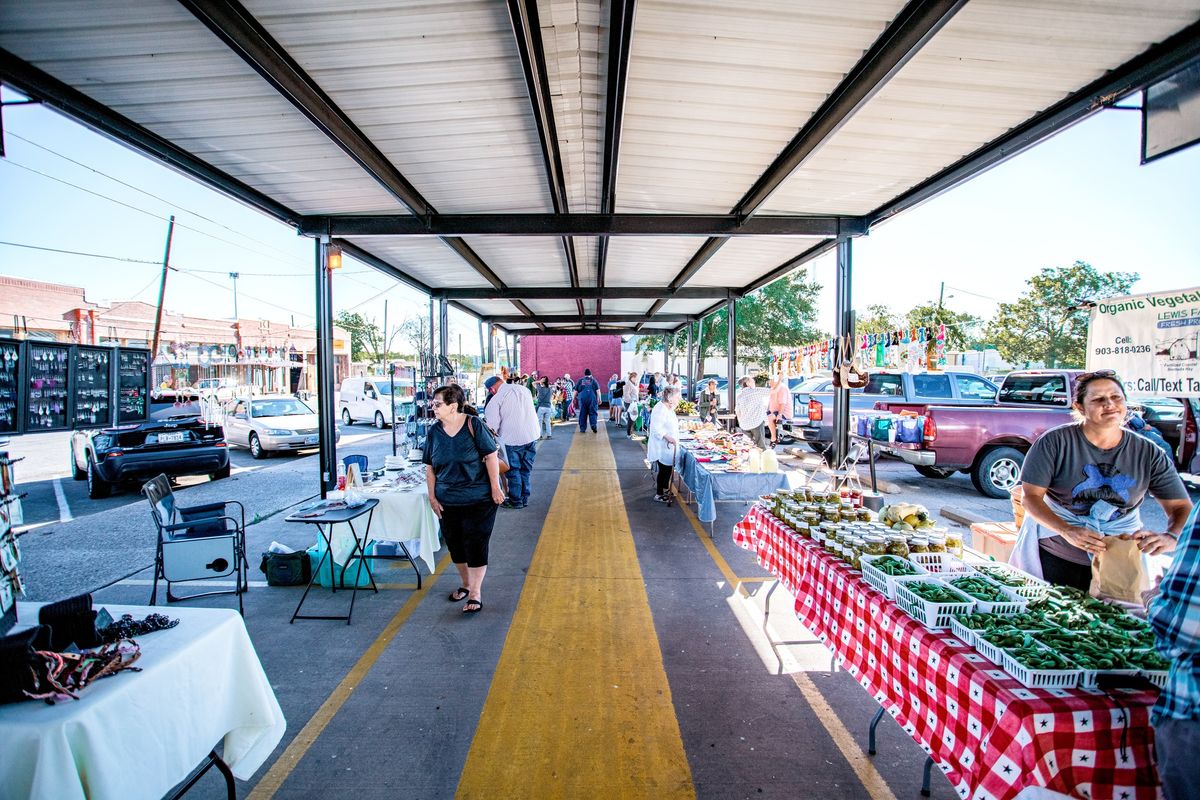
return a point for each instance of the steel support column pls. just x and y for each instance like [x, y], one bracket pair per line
[687, 367]
[326, 402]
[844, 325]
[443, 330]
[731, 345]
[666, 354]
[699, 350]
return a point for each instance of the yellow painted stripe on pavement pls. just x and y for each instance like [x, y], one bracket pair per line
[287, 761]
[858, 760]
[580, 706]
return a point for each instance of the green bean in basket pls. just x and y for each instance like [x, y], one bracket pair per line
[980, 589]
[935, 593]
[1146, 659]
[1002, 576]
[1008, 638]
[1034, 657]
[893, 565]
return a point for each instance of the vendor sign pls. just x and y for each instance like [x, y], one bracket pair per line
[1151, 340]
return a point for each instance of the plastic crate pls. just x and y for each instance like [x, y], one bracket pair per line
[1039, 678]
[1014, 605]
[942, 563]
[935, 616]
[988, 650]
[963, 632]
[1156, 676]
[1088, 677]
[1034, 589]
[881, 580]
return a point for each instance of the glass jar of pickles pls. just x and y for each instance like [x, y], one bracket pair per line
[863, 514]
[918, 544]
[801, 528]
[831, 512]
[937, 542]
[954, 543]
[874, 545]
[852, 551]
[897, 545]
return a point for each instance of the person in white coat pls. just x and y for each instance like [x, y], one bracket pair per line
[664, 441]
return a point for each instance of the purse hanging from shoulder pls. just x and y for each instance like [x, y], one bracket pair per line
[482, 457]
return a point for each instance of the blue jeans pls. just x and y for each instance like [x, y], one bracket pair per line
[544, 415]
[587, 413]
[520, 468]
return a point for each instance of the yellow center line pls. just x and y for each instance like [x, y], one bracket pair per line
[287, 761]
[870, 778]
[580, 706]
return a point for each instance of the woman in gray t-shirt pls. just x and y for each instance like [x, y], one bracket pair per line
[1095, 469]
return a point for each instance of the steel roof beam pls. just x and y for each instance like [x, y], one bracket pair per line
[1154, 64]
[230, 22]
[626, 331]
[36, 84]
[586, 293]
[916, 23]
[620, 36]
[526, 28]
[566, 224]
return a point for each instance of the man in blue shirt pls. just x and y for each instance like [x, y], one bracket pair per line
[1175, 617]
[587, 398]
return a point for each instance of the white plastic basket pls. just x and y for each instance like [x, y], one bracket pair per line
[932, 615]
[1088, 678]
[881, 580]
[1014, 605]
[1039, 678]
[941, 563]
[963, 632]
[1156, 676]
[988, 650]
[1033, 590]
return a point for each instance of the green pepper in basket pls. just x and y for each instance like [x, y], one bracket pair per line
[935, 593]
[1034, 657]
[892, 565]
[980, 589]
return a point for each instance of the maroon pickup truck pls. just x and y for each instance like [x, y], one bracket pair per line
[990, 442]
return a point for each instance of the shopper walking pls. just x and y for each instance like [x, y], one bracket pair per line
[751, 409]
[616, 398]
[633, 404]
[662, 445]
[545, 412]
[462, 474]
[568, 395]
[510, 413]
[587, 398]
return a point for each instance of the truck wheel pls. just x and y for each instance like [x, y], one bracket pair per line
[97, 487]
[998, 471]
[346, 417]
[934, 472]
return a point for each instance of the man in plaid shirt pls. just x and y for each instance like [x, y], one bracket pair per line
[1175, 616]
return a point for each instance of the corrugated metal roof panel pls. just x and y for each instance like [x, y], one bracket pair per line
[627, 306]
[686, 306]
[428, 260]
[994, 65]
[555, 307]
[523, 261]
[743, 259]
[437, 87]
[716, 90]
[647, 260]
[489, 308]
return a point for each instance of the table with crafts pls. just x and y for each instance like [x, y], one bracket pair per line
[403, 515]
[990, 735]
[709, 478]
[138, 734]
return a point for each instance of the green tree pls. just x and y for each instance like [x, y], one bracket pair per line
[877, 319]
[364, 334]
[1046, 323]
[778, 315]
[960, 328]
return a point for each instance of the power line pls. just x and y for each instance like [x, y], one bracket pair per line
[242, 294]
[79, 253]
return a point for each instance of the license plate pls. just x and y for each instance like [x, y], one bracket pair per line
[169, 438]
[312, 439]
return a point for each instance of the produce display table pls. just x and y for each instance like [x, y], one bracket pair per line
[990, 735]
[710, 486]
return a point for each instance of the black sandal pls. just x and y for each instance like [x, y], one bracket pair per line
[459, 594]
[473, 607]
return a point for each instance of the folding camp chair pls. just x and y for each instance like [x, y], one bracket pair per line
[196, 543]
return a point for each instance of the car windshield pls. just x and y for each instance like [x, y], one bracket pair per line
[283, 407]
[811, 385]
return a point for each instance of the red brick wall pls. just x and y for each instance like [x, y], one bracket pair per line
[555, 355]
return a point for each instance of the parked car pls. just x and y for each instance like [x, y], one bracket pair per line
[174, 444]
[815, 424]
[272, 423]
[801, 394]
[990, 443]
[221, 388]
[370, 399]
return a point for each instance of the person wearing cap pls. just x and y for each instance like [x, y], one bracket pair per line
[511, 414]
[587, 398]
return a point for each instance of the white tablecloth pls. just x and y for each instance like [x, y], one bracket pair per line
[138, 734]
[401, 516]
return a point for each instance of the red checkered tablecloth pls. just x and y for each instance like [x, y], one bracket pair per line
[990, 735]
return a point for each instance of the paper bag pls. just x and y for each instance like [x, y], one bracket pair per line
[1118, 573]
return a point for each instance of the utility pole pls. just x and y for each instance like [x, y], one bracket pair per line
[386, 344]
[162, 290]
[941, 296]
[234, 275]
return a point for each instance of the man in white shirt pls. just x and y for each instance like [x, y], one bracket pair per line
[751, 410]
[511, 414]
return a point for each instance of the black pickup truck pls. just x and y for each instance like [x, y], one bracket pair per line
[178, 442]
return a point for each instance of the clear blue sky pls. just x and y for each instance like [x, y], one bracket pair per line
[1081, 195]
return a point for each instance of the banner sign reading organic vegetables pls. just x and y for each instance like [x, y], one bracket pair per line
[1151, 340]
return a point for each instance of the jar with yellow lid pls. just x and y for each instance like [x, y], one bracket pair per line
[918, 544]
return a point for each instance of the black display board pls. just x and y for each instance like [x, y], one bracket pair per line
[92, 387]
[10, 385]
[47, 371]
[133, 385]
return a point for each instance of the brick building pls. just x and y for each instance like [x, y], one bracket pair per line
[555, 355]
[267, 356]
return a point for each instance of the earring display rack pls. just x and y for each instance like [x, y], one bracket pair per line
[50, 386]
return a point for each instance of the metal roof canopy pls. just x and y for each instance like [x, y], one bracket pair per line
[618, 128]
